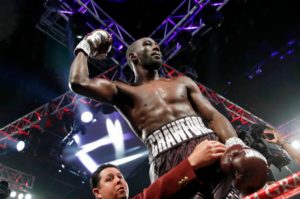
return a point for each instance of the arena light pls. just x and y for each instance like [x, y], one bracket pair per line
[13, 194]
[115, 133]
[28, 196]
[85, 159]
[93, 145]
[20, 145]
[86, 117]
[296, 144]
[20, 196]
[88, 162]
[129, 158]
[76, 138]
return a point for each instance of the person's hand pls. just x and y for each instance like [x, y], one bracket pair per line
[206, 153]
[273, 136]
[95, 44]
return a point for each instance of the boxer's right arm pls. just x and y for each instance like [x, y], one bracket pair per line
[96, 88]
[96, 43]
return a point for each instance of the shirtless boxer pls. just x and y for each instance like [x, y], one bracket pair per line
[168, 114]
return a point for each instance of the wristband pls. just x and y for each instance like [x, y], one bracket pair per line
[83, 46]
[234, 141]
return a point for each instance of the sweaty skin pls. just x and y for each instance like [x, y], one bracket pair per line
[151, 101]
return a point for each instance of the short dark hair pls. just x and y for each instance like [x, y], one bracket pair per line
[95, 178]
[131, 48]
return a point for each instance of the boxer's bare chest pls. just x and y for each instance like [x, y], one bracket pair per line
[155, 103]
[159, 93]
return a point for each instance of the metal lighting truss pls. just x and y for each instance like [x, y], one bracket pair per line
[54, 25]
[55, 21]
[17, 180]
[69, 102]
[185, 18]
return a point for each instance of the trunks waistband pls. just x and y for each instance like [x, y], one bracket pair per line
[175, 133]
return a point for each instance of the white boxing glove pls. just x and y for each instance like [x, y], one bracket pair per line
[95, 44]
[233, 141]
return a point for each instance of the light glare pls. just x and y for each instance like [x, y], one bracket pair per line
[28, 196]
[129, 158]
[296, 144]
[20, 196]
[20, 145]
[13, 194]
[86, 117]
[115, 133]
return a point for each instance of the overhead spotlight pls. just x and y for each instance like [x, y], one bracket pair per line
[86, 117]
[20, 196]
[13, 194]
[296, 144]
[28, 196]
[76, 138]
[20, 145]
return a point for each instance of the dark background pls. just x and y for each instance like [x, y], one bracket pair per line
[34, 67]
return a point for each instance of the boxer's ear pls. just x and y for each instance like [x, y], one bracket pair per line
[97, 193]
[133, 58]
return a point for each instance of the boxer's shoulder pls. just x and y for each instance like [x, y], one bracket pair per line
[183, 79]
[187, 82]
[178, 79]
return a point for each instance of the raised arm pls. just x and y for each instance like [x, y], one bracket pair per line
[216, 121]
[96, 43]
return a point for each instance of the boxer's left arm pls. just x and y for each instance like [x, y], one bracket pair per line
[216, 121]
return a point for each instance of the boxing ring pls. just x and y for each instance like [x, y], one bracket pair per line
[54, 24]
[288, 187]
